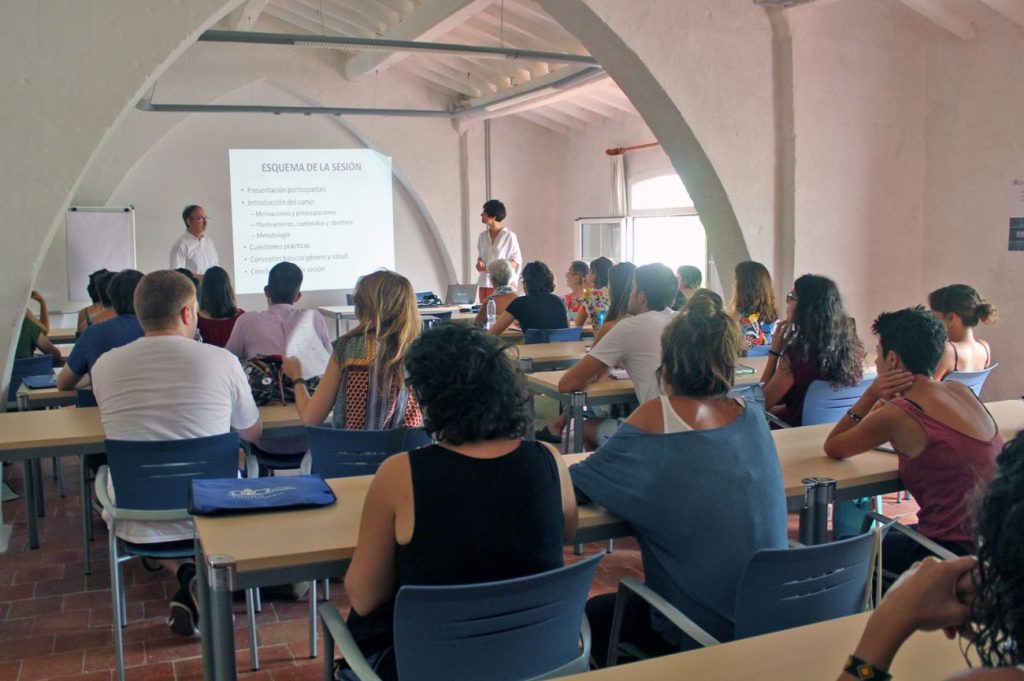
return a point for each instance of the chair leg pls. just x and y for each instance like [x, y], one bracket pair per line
[327, 590]
[312, 619]
[577, 549]
[611, 545]
[124, 598]
[116, 588]
[83, 479]
[58, 472]
[250, 611]
[257, 599]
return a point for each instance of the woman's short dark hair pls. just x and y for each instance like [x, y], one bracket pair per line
[121, 290]
[964, 301]
[579, 268]
[94, 294]
[537, 278]
[823, 334]
[915, 335]
[997, 609]
[495, 209]
[620, 284]
[467, 385]
[600, 267]
[217, 294]
[699, 348]
[102, 282]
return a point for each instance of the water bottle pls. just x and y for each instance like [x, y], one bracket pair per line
[492, 313]
[600, 320]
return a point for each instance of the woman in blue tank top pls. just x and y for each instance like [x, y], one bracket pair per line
[478, 506]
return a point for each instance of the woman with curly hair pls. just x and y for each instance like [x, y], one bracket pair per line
[219, 309]
[753, 304]
[364, 383]
[816, 342]
[944, 436]
[539, 308]
[961, 309]
[480, 505]
[980, 598]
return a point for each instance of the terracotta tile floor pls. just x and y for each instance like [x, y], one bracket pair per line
[55, 622]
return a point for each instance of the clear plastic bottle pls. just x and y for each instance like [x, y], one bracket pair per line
[600, 319]
[492, 313]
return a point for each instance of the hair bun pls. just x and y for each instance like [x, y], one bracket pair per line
[985, 311]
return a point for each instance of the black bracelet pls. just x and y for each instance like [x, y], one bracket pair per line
[300, 381]
[774, 354]
[864, 670]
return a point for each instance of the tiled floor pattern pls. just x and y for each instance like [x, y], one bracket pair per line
[55, 622]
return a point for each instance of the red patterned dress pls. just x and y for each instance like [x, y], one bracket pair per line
[363, 403]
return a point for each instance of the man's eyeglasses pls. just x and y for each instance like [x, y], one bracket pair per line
[200, 217]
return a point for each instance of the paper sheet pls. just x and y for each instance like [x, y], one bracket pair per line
[305, 344]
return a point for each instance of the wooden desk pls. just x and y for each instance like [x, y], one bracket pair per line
[546, 356]
[815, 652]
[340, 312]
[62, 335]
[245, 551]
[33, 435]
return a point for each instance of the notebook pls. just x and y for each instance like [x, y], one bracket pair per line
[41, 381]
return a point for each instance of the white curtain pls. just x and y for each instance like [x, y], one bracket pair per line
[618, 201]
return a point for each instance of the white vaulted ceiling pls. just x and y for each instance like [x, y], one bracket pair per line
[464, 80]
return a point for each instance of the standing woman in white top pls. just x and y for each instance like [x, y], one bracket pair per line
[495, 243]
[194, 250]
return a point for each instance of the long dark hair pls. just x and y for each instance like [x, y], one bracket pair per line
[823, 334]
[998, 606]
[217, 295]
[620, 283]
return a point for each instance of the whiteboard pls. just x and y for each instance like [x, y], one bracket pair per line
[97, 238]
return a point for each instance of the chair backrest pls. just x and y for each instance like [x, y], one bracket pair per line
[534, 336]
[758, 350]
[825, 405]
[156, 476]
[350, 299]
[972, 379]
[784, 588]
[513, 629]
[85, 397]
[28, 366]
[337, 453]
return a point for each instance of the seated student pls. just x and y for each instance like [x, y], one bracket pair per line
[753, 304]
[540, 308]
[480, 505]
[266, 332]
[31, 337]
[816, 342]
[945, 438]
[690, 280]
[960, 308]
[86, 314]
[595, 298]
[219, 308]
[634, 344]
[364, 385]
[99, 338]
[576, 280]
[676, 458]
[501, 274]
[107, 307]
[620, 285]
[165, 386]
[981, 599]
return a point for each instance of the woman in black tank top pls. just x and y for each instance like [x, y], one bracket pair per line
[478, 506]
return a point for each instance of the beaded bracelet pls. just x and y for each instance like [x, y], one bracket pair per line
[853, 415]
[864, 670]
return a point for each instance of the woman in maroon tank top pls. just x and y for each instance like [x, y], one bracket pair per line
[944, 436]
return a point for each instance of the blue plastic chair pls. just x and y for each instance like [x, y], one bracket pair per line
[337, 453]
[758, 350]
[823, 404]
[523, 628]
[972, 379]
[37, 365]
[151, 482]
[569, 335]
[350, 299]
[779, 589]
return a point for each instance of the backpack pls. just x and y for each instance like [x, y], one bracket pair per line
[268, 383]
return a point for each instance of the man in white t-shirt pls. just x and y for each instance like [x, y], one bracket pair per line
[634, 342]
[166, 386]
[194, 250]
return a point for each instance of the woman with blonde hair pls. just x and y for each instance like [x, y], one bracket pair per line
[365, 380]
[960, 308]
[753, 304]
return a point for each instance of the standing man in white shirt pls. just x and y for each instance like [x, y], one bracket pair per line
[495, 243]
[194, 250]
